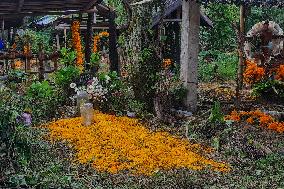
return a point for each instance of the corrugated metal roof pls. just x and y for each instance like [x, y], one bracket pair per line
[46, 20]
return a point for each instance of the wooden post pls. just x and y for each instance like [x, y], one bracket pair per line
[14, 35]
[95, 18]
[88, 50]
[241, 55]
[65, 37]
[28, 60]
[113, 54]
[3, 29]
[9, 36]
[41, 62]
[189, 51]
[55, 59]
[57, 42]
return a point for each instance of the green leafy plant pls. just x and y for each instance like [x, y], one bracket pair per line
[216, 115]
[95, 58]
[16, 76]
[68, 57]
[11, 108]
[66, 75]
[270, 90]
[222, 35]
[144, 77]
[40, 90]
[137, 107]
[119, 94]
[43, 101]
[217, 65]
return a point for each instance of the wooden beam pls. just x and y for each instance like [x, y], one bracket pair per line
[102, 10]
[90, 5]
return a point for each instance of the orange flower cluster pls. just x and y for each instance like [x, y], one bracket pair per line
[97, 39]
[18, 64]
[14, 46]
[27, 50]
[280, 73]
[113, 144]
[254, 117]
[253, 73]
[167, 63]
[76, 39]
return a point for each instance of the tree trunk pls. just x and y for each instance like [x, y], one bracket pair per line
[41, 63]
[189, 51]
[241, 55]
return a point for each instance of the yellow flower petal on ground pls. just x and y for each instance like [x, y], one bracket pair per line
[113, 144]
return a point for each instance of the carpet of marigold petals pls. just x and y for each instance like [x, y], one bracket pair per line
[113, 144]
[257, 117]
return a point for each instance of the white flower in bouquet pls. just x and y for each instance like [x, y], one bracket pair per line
[90, 90]
[80, 90]
[73, 85]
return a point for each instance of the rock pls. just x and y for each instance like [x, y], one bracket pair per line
[181, 113]
[131, 114]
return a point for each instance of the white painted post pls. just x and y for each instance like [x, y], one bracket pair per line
[189, 51]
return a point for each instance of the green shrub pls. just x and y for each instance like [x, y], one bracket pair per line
[43, 101]
[144, 77]
[11, 108]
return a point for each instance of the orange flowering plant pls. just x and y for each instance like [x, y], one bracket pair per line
[257, 117]
[18, 64]
[267, 82]
[97, 39]
[27, 49]
[76, 39]
[167, 63]
[253, 73]
[280, 73]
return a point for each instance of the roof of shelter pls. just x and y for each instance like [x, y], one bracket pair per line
[64, 22]
[18, 8]
[173, 5]
[259, 3]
